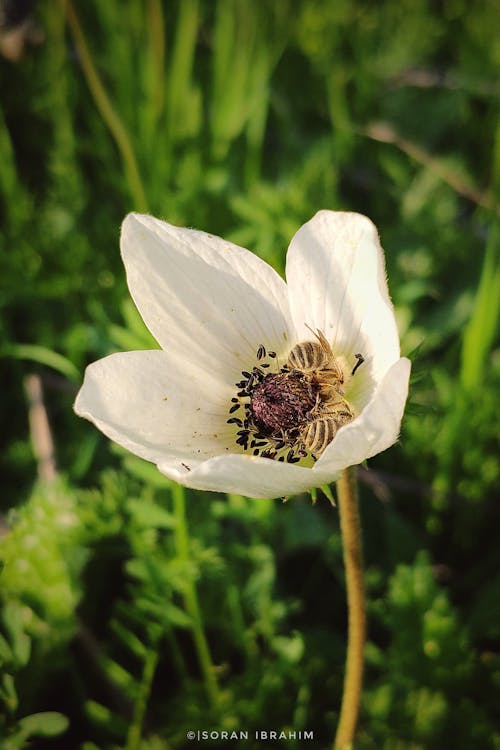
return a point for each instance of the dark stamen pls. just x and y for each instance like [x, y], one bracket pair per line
[360, 361]
[234, 408]
[266, 454]
[261, 351]
[235, 420]
[271, 354]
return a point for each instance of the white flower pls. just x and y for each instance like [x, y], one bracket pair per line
[214, 309]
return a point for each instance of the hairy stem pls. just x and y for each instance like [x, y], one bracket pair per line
[353, 562]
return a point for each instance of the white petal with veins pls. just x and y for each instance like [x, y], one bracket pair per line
[247, 475]
[155, 406]
[203, 297]
[336, 282]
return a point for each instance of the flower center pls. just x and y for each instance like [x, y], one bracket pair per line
[296, 411]
[282, 401]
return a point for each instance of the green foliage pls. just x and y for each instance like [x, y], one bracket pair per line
[15, 652]
[118, 628]
[425, 696]
[42, 559]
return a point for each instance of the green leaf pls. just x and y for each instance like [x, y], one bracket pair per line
[43, 356]
[45, 724]
[479, 334]
[149, 515]
[8, 692]
[101, 716]
[20, 642]
[145, 471]
[5, 650]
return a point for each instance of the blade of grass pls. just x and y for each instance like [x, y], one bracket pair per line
[16, 199]
[479, 334]
[181, 96]
[106, 109]
[43, 356]
[156, 26]
[462, 184]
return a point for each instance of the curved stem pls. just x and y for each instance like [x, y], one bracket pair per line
[191, 600]
[106, 109]
[353, 562]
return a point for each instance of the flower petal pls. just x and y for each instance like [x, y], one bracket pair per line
[156, 406]
[336, 281]
[251, 476]
[377, 427]
[203, 297]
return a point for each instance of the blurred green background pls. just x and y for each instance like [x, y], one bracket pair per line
[117, 629]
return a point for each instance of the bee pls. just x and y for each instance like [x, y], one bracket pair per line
[318, 434]
[316, 360]
[320, 430]
[310, 356]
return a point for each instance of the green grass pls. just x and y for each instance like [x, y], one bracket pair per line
[118, 629]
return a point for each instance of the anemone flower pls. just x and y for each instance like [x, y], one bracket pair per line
[260, 387]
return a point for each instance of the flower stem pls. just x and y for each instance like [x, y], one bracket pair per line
[191, 600]
[353, 562]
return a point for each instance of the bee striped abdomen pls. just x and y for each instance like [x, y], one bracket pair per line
[307, 356]
[318, 434]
